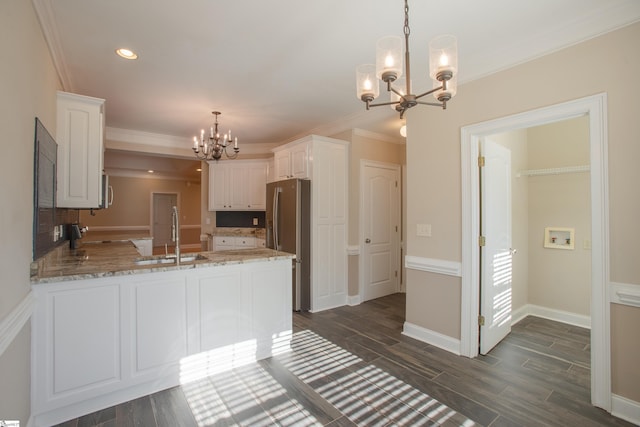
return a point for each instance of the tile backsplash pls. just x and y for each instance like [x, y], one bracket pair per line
[46, 220]
[240, 219]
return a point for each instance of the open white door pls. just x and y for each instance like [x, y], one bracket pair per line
[496, 254]
[380, 215]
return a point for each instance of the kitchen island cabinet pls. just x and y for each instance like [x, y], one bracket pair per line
[123, 334]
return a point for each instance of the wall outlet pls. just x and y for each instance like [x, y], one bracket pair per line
[255, 221]
[208, 221]
[423, 230]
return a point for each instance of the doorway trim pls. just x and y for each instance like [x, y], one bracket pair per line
[596, 108]
[361, 264]
[151, 211]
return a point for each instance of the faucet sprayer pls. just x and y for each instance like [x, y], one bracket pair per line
[175, 232]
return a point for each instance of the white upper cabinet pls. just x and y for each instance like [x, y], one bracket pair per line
[80, 138]
[291, 161]
[238, 185]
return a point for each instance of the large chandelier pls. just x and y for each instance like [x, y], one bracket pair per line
[443, 69]
[211, 148]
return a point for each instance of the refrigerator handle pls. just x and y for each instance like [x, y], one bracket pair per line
[276, 211]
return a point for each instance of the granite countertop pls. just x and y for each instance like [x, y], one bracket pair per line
[114, 258]
[258, 233]
[115, 236]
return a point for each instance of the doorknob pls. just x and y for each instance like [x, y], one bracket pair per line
[367, 240]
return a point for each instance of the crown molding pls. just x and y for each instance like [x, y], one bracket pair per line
[378, 136]
[50, 32]
[134, 140]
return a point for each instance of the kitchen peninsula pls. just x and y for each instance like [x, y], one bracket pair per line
[111, 325]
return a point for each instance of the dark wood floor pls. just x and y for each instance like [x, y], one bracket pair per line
[352, 366]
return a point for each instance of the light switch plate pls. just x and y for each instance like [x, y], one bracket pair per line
[423, 230]
[255, 221]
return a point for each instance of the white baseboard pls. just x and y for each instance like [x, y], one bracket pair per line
[13, 323]
[437, 339]
[551, 314]
[353, 300]
[626, 409]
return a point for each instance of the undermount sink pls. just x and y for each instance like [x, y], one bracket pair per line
[168, 259]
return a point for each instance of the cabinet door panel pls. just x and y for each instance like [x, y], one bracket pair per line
[80, 128]
[86, 338]
[160, 323]
[218, 310]
[236, 198]
[217, 187]
[256, 187]
[281, 161]
[299, 165]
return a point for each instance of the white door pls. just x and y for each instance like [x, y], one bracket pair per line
[162, 211]
[496, 254]
[380, 216]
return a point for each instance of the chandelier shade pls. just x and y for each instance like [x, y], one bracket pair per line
[393, 62]
[210, 148]
[366, 81]
[389, 58]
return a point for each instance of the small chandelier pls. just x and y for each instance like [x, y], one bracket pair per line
[443, 69]
[211, 148]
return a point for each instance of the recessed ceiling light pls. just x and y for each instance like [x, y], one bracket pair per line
[126, 53]
[198, 170]
[150, 171]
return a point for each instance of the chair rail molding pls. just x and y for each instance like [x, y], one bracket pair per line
[431, 265]
[624, 293]
[13, 323]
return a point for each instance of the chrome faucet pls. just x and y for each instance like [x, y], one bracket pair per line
[175, 232]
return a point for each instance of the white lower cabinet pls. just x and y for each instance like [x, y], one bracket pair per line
[225, 243]
[99, 342]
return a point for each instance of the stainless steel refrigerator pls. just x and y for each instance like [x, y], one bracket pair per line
[288, 221]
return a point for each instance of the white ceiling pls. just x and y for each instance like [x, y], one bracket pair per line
[278, 70]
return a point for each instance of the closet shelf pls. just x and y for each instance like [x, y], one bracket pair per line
[554, 171]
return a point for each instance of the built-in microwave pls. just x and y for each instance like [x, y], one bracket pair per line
[107, 193]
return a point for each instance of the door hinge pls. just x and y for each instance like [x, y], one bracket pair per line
[396, 184]
[482, 241]
[481, 161]
[396, 273]
[481, 320]
[396, 228]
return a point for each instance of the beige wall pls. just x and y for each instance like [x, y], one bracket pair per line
[27, 83]
[433, 161]
[132, 205]
[364, 146]
[560, 279]
[625, 352]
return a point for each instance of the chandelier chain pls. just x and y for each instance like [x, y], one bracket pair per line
[407, 30]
